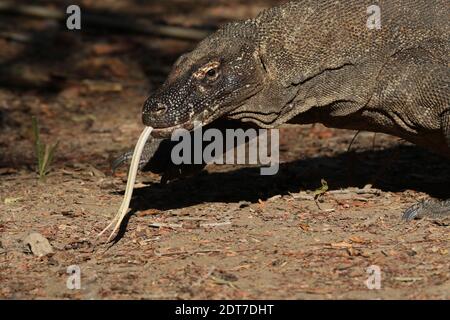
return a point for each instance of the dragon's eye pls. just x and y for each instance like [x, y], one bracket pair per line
[211, 73]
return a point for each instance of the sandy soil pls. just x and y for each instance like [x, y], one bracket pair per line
[227, 233]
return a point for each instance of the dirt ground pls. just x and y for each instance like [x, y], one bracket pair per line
[227, 233]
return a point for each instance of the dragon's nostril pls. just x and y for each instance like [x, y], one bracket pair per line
[155, 113]
[160, 109]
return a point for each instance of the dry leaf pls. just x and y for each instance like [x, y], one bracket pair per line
[12, 200]
[148, 212]
[340, 245]
[304, 227]
[353, 252]
[357, 239]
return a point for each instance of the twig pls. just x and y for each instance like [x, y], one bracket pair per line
[302, 196]
[353, 141]
[165, 225]
[172, 295]
[116, 22]
[217, 224]
[178, 225]
[203, 279]
[17, 36]
[357, 191]
[160, 254]
[187, 219]
[221, 281]
[362, 199]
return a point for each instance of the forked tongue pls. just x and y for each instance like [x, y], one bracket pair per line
[121, 213]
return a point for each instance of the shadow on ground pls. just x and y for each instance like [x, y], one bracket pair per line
[397, 169]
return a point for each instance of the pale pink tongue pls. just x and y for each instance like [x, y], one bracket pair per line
[121, 213]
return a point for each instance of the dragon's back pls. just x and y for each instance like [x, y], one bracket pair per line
[306, 35]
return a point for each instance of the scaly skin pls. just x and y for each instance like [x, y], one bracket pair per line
[317, 61]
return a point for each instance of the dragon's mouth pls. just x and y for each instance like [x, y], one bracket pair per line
[167, 131]
[201, 119]
[208, 115]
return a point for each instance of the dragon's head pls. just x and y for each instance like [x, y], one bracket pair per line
[217, 77]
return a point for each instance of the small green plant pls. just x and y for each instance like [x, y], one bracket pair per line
[322, 190]
[44, 152]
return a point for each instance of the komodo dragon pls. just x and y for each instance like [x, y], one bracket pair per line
[315, 61]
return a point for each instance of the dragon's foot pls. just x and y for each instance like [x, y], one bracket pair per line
[431, 208]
